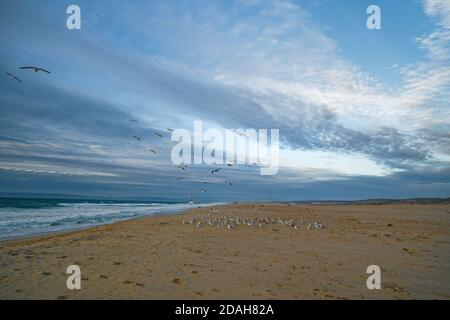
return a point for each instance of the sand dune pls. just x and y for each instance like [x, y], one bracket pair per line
[161, 258]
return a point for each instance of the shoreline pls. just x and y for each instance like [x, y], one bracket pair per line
[159, 257]
[51, 234]
[71, 229]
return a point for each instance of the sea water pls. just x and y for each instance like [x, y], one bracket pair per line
[26, 217]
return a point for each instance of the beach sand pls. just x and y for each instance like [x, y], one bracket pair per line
[161, 258]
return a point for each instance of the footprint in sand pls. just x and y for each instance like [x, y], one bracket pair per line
[408, 251]
[178, 281]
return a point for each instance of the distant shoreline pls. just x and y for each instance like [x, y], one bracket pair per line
[48, 196]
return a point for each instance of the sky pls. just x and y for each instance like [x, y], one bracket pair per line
[361, 113]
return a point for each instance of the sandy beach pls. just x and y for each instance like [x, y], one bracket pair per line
[161, 258]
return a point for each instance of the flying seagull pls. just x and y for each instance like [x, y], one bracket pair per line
[182, 166]
[241, 133]
[228, 183]
[215, 170]
[13, 76]
[203, 190]
[158, 134]
[137, 138]
[132, 120]
[229, 164]
[152, 150]
[35, 69]
[171, 130]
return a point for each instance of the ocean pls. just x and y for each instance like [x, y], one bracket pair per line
[21, 217]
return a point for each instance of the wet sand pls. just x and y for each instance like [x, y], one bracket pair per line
[162, 258]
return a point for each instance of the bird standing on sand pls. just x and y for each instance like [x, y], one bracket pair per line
[35, 69]
[13, 76]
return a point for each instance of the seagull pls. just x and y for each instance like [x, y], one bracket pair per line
[241, 133]
[171, 130]
[152, 150]
[229, 164]
[215, 170]
[228, 183]
[13, 76]
[158, 134]
[137, 138]
[182, 166]
[203, 190]
[132, 120]
[35, 69]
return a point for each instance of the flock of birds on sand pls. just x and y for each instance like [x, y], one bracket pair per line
[231, 222]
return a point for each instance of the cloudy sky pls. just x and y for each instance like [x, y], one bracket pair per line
[361, 113]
